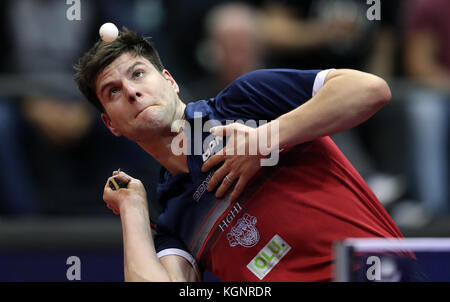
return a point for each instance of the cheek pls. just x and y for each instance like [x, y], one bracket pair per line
[120, 119]
[117, 117]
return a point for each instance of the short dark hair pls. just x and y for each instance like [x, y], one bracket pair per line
[104, 53]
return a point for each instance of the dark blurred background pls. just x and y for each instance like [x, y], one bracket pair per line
[55, 153]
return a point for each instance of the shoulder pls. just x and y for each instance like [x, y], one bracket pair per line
[273, 75]
[267, 93]
[272, 81]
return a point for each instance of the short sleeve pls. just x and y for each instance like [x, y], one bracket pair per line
[268, 93]
[166, 245]
[319, 81]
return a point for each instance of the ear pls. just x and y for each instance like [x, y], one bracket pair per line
[107, 121]
[166, 74]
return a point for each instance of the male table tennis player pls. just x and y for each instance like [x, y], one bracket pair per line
[229, 214]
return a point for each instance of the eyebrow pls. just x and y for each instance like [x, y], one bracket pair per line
[129, 70]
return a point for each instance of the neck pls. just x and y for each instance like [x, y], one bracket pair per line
[162, 153]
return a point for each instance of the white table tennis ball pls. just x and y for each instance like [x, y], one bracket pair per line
[108, 32]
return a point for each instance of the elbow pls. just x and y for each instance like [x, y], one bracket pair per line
[385, 94]
[136, 275]
[379, 91]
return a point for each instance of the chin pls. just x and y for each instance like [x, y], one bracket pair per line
[152, 113]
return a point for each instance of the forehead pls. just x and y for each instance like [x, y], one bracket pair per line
[119, 66]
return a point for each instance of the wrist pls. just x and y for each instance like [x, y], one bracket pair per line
[269, 138]
[134, 203]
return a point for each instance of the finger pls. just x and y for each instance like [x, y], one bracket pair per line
[216, 178]
[119, 181]
[124, 177]
[238, 188]
[226, 184]
[213, 161]
[112, 208]
[226, 130]
[135, 183]
[218, 131]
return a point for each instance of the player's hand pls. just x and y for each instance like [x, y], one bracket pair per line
[240, 157]
[134, 195]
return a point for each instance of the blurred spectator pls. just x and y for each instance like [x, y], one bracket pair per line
[56, 154]
[318, 34]
[231, 48]
[184, 24]
[17, 192]
[43, 43]
[336, 34]
[427, 62]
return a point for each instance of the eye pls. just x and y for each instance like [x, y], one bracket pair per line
[138, 74]
[113, 91]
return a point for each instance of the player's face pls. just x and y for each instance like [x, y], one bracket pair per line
[140, 102]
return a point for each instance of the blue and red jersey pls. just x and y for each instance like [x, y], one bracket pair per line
[283, 227]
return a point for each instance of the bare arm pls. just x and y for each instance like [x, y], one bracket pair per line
[347, 98]
[140, 260]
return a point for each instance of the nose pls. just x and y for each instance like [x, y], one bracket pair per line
[133, 93]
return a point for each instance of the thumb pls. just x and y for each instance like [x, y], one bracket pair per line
[125, 178]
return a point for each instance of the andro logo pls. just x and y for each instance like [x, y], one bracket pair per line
[244, 232]
[211, 149]
[268, 257]
[202, 187]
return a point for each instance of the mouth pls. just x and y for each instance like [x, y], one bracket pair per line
[140, 111]
[145, 108]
